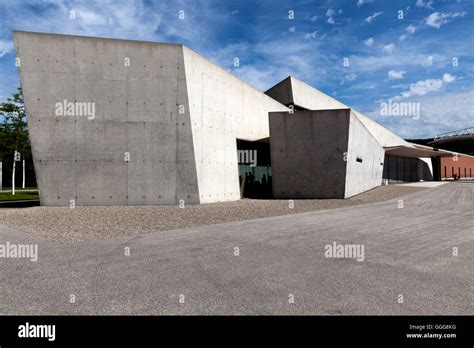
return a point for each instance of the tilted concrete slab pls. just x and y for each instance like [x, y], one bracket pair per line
[292, 91]
[222, 108]
[365, 159]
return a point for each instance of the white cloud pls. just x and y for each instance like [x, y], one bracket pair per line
[389, 49]
[400, 85]
[90, 18]
[5, 47]
[292, 29]
[396, 75]
[350, 77]
[423, 87]
[330, 14]
[439, 114]
[311, 35]
[448, 78]
[422, 4]
[369, 42]
[372, 17]
[411, 58]
[257, 77]
[411, 29]
[457, 14]
[274, 63]
[314, 18]
[427, 62]
[437, 19]
[362, 2]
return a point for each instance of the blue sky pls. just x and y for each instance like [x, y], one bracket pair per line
[407, 59]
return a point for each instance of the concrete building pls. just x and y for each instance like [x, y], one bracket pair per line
[117, 122]
[324, 149]
[165, 125]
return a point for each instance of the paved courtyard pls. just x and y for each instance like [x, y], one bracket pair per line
[259, 266]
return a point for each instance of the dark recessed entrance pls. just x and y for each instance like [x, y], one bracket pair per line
[255, 171]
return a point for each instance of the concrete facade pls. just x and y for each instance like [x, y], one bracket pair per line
[323, 154]
[363, 145]
[172, 112]
[166, 122]
[365, 157]
[307, 153]
[223, 108]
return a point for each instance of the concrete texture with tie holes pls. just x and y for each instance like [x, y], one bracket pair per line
[408, 251]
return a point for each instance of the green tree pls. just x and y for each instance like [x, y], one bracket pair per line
[14, 137]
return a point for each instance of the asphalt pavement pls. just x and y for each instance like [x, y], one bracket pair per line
[418, 259]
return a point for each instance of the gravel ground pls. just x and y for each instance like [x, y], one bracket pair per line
[99, 223]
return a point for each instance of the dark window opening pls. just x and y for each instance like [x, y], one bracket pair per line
[255, 171]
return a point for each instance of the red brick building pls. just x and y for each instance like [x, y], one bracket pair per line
[461, 166]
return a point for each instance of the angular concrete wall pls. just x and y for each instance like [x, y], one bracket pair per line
[300, 94]
[365, 159]
[137, 111]
[282, 91]
[308, 153]
[292, 91]
[425, 169]
[223, 108]
[383, 136]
